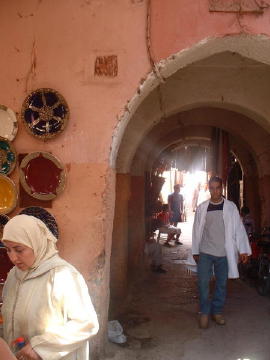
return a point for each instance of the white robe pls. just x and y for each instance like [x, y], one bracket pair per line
[51, 308]
[236, 240]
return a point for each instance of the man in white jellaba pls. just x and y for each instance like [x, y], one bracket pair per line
[218, 241]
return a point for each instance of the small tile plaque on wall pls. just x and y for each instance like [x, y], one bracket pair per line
[106, 66]
[242, 6]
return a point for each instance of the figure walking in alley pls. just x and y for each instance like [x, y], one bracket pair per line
[176, 206]
[45, 299]
[219, 241]
[247, 220]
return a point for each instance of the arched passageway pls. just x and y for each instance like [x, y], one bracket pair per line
[215, 85]
[219, 84]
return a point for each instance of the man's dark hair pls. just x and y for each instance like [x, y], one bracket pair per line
[215, 179]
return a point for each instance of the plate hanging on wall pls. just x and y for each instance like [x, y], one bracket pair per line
[45, 113]
[3, 220]
[8, 195]
[8, 157]
[42, 175]
[43, 215]
[8, 123]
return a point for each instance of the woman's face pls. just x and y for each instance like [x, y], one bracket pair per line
[20, 255]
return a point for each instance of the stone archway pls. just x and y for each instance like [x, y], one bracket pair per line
[219, 82]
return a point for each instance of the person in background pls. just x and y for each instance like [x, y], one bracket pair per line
[247, 220]
[215, 248]
[165, 227]
[175, 205]
[45, 299]
[154, 251]
[195, 197]
[204, 193]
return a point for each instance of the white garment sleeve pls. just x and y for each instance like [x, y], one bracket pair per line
[74, 320]
[195, 233]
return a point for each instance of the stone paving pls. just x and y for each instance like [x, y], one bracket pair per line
[161, 318]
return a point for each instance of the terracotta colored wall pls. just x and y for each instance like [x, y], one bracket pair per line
[119, 254]
[55, 44]
[179, 24]
[136, 216]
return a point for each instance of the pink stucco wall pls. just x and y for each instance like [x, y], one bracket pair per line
[176, 25]
[54, 44]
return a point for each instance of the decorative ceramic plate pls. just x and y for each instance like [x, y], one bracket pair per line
[42, 175]
[8, 123]
[8, 195]
[45, 113]
[7, 157]
[3, 220]
[44, 216]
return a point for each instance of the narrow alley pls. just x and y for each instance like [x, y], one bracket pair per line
[160, 320]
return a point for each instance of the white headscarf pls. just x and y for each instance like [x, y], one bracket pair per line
[31, 232]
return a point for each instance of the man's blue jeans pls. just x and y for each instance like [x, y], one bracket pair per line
[206, 265]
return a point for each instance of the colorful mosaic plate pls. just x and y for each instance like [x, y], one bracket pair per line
[8, 123]
[45, 113]
[8, 195]
[7, 157]
[42, 175]
[44, 216]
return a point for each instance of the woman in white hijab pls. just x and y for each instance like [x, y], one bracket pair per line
[45, 299]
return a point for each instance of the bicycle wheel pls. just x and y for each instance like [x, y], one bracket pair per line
[263, 282]
[263, 286]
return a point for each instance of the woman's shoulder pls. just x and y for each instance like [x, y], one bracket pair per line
[58, 265]
[65, 270]
[11, 276]
[53, 266]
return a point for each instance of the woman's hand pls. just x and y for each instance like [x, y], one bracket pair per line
[27, 353]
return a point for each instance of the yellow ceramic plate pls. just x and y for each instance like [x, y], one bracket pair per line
[8, 195]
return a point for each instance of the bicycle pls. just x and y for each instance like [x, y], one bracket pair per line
[263, 280]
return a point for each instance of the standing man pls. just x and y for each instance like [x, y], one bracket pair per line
[219, 241]
[176, 207]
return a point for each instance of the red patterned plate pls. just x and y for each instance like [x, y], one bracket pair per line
[42, 175]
